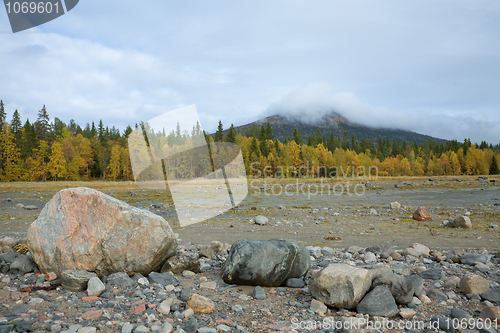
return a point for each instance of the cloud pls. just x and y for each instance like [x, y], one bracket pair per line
[309, 103]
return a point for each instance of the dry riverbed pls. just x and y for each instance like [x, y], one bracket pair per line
[331, 213]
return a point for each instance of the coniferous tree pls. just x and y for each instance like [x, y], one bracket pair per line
[231, 134]
[42, 125]
[219, 134]
[494, 170]
[16, 126]
[296, 136]
[269, 132]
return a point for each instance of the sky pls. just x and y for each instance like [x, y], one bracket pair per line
[430, 66]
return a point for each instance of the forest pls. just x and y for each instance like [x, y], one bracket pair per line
[43, 150]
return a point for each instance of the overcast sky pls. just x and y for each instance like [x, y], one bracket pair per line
[431, 66]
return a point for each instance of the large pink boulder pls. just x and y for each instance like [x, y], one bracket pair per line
[81, 228]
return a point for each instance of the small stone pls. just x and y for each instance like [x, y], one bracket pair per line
[50, 276]
[95, 287]
[76, 280]
[452, 282]
[461, 222]
[492, 313]
[92, 314]
[424, 299]
[139, 309]
[295, 283]
[378, 302]
[395, 205]
[492, 295]
[407, 313]
[436, 294]
[120, 279]
[369, 257]
[422, 215]
[200, 304]
[261, 220]
[143, 281]
[208, 285]
[188, 313]
[259, 293]
[188, 274]
[474, 284]
[87, 329]
[318, 307]
[127, 328]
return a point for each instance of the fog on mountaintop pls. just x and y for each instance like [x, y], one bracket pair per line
[310, 103]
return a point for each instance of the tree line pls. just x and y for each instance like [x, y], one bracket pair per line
[44, 150]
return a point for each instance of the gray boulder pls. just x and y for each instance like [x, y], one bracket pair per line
[401, 288]
[259, 293]
[182, 262]
[81, 228]
[418, 285]
[265, 263]
[164, 278]
[340, 285]
[120, 279]
[492, 295]
[460, 222]
[22, 265]
[378, 302]
[75, 280]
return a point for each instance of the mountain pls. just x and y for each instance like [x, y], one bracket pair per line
[336, 124]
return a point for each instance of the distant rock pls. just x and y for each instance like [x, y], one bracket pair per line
[378, 302]
[460, 222]
[265, 263]
[395, 205]
[340, 285]
[422, 215]
[261, 220]
[81, 228]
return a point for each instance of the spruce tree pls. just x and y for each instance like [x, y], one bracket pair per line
[269, 132]
[231, 134]
[16, 125]
[219, 134]
[42, 125]
[296, 136]
[494, 170]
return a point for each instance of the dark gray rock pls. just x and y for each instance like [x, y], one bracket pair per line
[436, 294]
[182, 262]
[459, 313]
[184, 295]
[6, 328]
[164, 278]
[432, 274]
[472, 259]
[418, 285]
[265, 263]
[378, 302]
[22, 326]
[22, 265]
[76, 280]
[401, 288]
[259, 293]
[9, 257]
[17, 310]
[191, 325]
[295, 283]
[493, 295]
[120, 279]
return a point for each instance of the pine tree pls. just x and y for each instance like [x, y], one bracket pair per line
[231, 134]
[296, 136]
[16, 124]
[29, 139]
[42, 125]
[494, 170]
[269, 132]
[219, 134]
